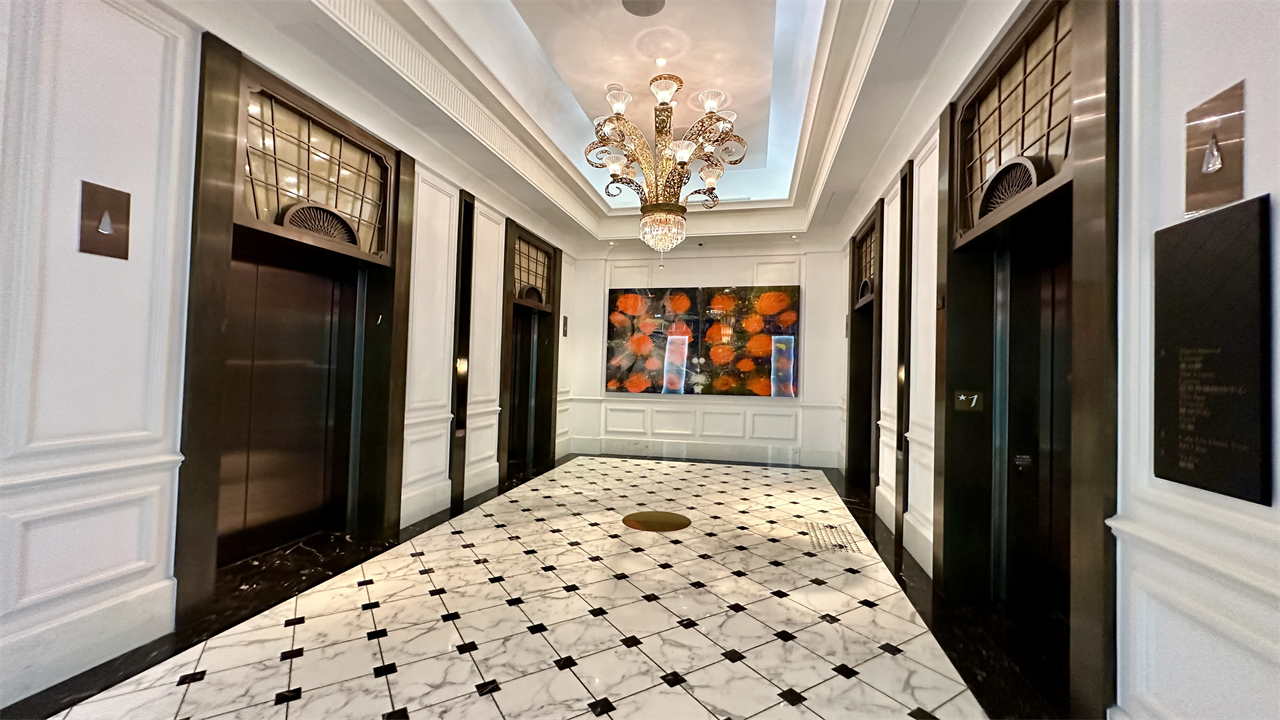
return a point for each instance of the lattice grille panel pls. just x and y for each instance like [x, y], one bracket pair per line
[532, 264]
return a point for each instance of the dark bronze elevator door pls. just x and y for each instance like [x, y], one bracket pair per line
[524, 372]
[277, 408]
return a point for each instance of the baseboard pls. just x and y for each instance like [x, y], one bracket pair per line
[820, 458]
[423, 501]
[46, 655]
[1115, 712]
[584, 445]
[917, 539]
[480, 478]
[690, 450]
[886, 505]
[563, 447]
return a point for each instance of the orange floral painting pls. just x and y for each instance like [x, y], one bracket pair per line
[704, 341]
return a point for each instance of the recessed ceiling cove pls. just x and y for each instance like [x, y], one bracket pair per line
[556, 57]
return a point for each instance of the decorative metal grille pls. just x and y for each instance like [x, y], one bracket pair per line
[832, 537]
[1025, 110]
[866, 266]
[292, 158]
[531, 270]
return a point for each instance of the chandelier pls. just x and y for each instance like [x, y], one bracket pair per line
[664, 171]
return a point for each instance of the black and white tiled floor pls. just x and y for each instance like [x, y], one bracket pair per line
[541, 604]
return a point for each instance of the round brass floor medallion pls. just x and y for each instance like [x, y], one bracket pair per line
[655, 521]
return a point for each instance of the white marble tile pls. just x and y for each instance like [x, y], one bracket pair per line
[153, 702]
[611, 593]
[427, 682]
[898, 604]
[861, 587]
[492, 623]
[232, 689]
[514, 656]
[741, 590]
[412, 611]
[223, 652]
[880, 625]
[681, 650]
[789, 664]
[877, 571]
[554, 608]
[392, 567]
[275, 616]
[814, 567]
[584, 574]
[399, 588]
[548, 695]
[313, 603]
[335, 663]
[535, 583]
[851, 699]
[658, 581]
[316, 632]
[660, 703]
[962, 707]
[617, 672]
[583, 636]
[744, 560]
[823, 599]
[925, 650]
[261, 711]
[471, 598]
[419, 642]
[731, 690]
[702, 570]
[735, 631]
[467, 707]
[782, 613]
[777, 578]
[641, 618]
[838, 644]
[630, 562]
[693, 603]
[787, 711]
[908, 682]
[164, 674]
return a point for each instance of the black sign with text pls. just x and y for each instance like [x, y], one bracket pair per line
[1213, 352]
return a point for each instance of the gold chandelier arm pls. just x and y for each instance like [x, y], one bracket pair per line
[731, 138]
[711, 201]
[666, 162]
[674, 182]
[636, 147]
[705, 130]
[600, 148]
[614, 188]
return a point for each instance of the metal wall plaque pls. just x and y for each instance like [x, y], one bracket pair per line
[968, 401]
[104, 221]
[1213, 352]
[1215, 151]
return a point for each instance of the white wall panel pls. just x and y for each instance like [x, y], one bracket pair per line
[887, 294]
[430, 372]
[484, 367]
[626, 419]
[91, 348]
[917, 533]
[672, 421]
[724, 423]
[1198, 617]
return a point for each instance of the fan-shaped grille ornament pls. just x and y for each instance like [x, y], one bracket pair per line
[321, 221]
[1016, 177]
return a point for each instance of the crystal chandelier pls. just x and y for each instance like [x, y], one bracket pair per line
[664, 171]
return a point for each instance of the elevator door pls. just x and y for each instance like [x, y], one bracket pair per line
[278, 405]
[522, 442]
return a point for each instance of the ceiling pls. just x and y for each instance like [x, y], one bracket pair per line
[557, 57]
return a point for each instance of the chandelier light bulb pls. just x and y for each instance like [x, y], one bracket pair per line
[683, 150]
[660, 62]
[615, 163]
[711, 100]
[711, 175]
[618, 99]
[729, 116]
[664, 90]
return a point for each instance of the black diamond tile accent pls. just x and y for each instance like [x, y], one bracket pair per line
[570, 588]
[295, 621]
[733, 656]
[597, 612]
[621, 576]
[868, 603]
[810, 554]
[630, 641]
[575, 543]
[677, 542]
[376, 634]
[687, 624]
[737, 607]
[370, 605]
[784, 636]
[637, 549]
[705, 556]
[535, 629]
[488, 687]
[290, 654]
[650, 597]
[665, 566]
[829, 618]
[397, 714]
[482, 561]
[456, 532]
[818, 581]
[697, 584]
[515, 601]
[853, 571]
[428, 571]
[601, 707]
[774, 540]
[779, 593]
[891, 649]
[437, 591]
[595, 558]
[566, 662]
[776, 563]
[844, 671]
[548, 568]
[530, 552]
[710, 534]
[922, 714]
[595, 524]
[673, 679]
[468, 546]
[791, 696]
[556, 530]
[450, 617]
[743, 527]
[615, 537]
[738, 573]
[198, 675]
[384, 670]
[366, 583]
[288, 695]
[466, 647]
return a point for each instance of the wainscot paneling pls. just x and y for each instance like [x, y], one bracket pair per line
[626, 419]
[483, 368]
[91, 347]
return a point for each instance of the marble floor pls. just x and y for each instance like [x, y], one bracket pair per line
[541, 604]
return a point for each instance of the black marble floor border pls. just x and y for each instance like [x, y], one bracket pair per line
[243, 590]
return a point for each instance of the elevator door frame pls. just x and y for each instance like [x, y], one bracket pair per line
[862, 439]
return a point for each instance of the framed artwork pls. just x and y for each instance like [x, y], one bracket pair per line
[704, 341]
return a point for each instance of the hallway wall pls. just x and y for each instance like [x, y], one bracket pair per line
[1198, 618]
[91, 347]
[807, 429]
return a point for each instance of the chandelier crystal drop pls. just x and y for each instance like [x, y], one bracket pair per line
[664, 170]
